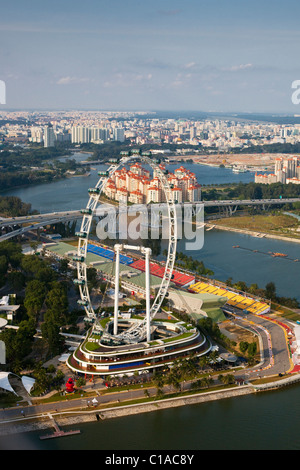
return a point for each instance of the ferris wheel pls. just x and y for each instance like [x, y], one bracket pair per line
[137, 332]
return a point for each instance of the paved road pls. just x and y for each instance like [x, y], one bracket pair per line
[274, 344]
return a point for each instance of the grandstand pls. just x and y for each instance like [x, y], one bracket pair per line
[109, 254]
[179, 279]
[234, 299]
[101, 255]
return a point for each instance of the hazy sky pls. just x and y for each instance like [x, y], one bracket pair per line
[210, 55]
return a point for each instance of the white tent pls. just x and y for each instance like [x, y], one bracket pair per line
[28, 383]
[4, 382]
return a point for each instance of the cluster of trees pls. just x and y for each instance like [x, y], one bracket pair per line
[182, 370]
[191, 264]
[35, 156]
[10, 258]
[251, 191]
[12, 206]
[43, 299]
[18, 344]
[271, 148]
[17, 165]
[210, 328]
[249, 348]
[269, 292]
[65, 229]
[12, 179]
[112, 149]
[46, 379]
[187, 369]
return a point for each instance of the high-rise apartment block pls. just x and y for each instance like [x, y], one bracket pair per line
[49, 136]
[287, 170]
[85, 135]
[119, 134]
[136, 186]
[37, 135]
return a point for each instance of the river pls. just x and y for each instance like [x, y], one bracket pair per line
[268, 420]
[72, 193]
[217, 253]
[265, 421]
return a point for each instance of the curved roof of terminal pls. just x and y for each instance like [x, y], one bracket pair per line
[205, 297]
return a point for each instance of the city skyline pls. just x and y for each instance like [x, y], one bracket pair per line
[200, 55]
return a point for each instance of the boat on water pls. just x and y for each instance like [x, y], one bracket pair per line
[239, 169]
[280, 255]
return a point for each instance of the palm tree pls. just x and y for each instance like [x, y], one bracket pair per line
[158, 380]
[159, 393]
[173, 380]
[203, 361]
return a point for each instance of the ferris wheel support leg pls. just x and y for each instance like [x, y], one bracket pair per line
[147, 286]
[117, 280]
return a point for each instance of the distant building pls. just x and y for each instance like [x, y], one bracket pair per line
[136, 186]
[80, 135]
[119, 134]
[63, 137]
[84, 135]
[287, 170]
[37, 135]
[49, 137]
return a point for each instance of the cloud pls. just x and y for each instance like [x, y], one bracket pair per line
[190, 65]
[71, 80]
[236, 68]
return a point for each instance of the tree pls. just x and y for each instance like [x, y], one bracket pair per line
[252, 349]
[19, 342]
[34, 298]
[158, 380]
[92, 277]
[57, 301]
[42, 380]
[253, 289]
[270, 291]
[173, 380]
[243, 346]
[16, 280]
[51, 332]
[63, 265]
[227, 379]
[13, 253]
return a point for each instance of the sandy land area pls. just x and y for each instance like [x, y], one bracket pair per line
[255, 160]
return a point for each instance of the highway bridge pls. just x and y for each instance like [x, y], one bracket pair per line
[33, 222]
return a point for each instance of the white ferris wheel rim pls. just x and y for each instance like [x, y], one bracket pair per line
[83, 238]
